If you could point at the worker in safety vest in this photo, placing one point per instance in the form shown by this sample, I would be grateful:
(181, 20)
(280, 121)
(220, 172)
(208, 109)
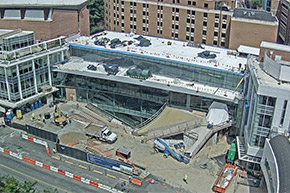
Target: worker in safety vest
(185, 178)
(32, 116)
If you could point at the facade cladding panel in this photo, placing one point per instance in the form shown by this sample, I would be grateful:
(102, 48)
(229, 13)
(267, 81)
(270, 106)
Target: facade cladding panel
(281, 147)
(283, 15)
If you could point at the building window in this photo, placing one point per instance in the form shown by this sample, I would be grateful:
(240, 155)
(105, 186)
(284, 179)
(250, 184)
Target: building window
(205, 5)
(192, 12)
(176, 26)
(188, 29)
(188, 20)
(223, 35)
(177, 10)
(265, 100)
(214, 42)
(203, 32)
(203, 41)
(224, 26)
(224, 17)
(283, 112)
(215, 33)
(192, 39)
(194, 3)
(223, 44)
(188, 2)
(204, 23)
(216, 24)
(176, 35)
(192, 21)
(188, 11)
(217, 16)
(187, 37)
(204, 14)
(176, 18)
(192, 30)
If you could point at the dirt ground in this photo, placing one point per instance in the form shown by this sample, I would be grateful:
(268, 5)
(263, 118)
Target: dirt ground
(167, 169)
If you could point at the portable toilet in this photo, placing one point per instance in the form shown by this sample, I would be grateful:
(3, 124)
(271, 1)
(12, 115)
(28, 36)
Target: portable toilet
(32, 106)
(39, 104)
(36, 105)
(18, 113)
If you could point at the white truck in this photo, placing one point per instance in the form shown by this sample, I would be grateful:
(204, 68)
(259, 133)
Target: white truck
(104, 134)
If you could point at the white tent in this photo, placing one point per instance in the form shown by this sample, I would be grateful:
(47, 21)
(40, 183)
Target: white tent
(218, 113)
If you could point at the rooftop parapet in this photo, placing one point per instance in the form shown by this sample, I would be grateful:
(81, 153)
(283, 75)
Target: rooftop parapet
(7, 57)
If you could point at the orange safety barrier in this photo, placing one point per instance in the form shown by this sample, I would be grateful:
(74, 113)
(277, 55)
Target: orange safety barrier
(76, 177)
(30, 139)
(136, 182)
(61, 171)
(108, 154)
(6, 151)
(45, 166)
(47, 151)
(95, 184)
(28, 160)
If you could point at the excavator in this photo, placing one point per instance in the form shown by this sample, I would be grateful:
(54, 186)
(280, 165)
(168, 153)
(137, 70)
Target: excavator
(59, 118)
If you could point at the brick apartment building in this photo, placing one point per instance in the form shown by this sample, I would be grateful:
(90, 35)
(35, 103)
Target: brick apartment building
(283, 15)
(48, 19)
(207, 22)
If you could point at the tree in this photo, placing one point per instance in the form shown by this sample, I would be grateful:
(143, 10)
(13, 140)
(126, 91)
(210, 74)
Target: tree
(256, 4)
(96, 8)
(11, 185)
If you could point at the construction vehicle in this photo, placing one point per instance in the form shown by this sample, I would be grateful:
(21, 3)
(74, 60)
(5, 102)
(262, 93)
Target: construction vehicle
(161, 146)
(231, 155)
(226, 176)
(104, 134)
(59, 118)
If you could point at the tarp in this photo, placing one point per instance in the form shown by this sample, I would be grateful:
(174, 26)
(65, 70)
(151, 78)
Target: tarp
(218, 113)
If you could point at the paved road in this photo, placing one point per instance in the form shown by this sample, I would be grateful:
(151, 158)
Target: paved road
(46, 179)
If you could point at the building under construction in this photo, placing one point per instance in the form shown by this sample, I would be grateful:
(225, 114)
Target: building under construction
(149, 75)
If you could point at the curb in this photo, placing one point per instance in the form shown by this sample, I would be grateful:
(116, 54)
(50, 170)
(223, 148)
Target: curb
(57, 170)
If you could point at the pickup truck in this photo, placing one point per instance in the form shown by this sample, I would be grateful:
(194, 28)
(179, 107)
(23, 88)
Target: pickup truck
(104, 134)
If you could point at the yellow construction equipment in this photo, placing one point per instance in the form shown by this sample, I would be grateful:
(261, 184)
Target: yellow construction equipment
(59, 118)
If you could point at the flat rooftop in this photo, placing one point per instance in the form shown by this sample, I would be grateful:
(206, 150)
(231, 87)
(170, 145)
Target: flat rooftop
(253, 14)
(264, 78)
(79, 67)
(7, 33)
(275, 46)
(40, 3)
(226, 59)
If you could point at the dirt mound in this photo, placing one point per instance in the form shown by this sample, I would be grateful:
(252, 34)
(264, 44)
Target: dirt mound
(71, 138)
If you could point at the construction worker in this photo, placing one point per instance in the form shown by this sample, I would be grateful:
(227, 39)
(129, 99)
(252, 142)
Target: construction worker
(43, 120)
(33, 116)
(185, 178)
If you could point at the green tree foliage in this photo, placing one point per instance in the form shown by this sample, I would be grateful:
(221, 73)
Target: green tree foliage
(256, 4)
(11, 185)
(96, 8)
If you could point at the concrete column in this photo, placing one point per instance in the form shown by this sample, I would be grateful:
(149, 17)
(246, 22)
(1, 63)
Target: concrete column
(188, 101)
(7, 84)
(19, 82)
(49, 73)
(34, 75)
(62, 56)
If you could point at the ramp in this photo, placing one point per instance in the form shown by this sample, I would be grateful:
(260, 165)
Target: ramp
(171, 116)
(174, 129)
(204, 134)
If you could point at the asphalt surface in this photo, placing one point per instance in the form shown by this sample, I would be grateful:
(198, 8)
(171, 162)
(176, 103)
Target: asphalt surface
(45, 179)
(10, 139)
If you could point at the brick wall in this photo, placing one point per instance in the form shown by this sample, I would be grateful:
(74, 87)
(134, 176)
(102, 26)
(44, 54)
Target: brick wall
(251, 34)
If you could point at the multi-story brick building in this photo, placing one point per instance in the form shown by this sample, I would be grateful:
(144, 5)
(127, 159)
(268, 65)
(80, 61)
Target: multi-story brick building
(251, 27)
(206, 22)
(48, 19)
(283, 15)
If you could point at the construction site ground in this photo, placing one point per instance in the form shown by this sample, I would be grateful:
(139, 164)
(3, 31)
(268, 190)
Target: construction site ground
(167, 169)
